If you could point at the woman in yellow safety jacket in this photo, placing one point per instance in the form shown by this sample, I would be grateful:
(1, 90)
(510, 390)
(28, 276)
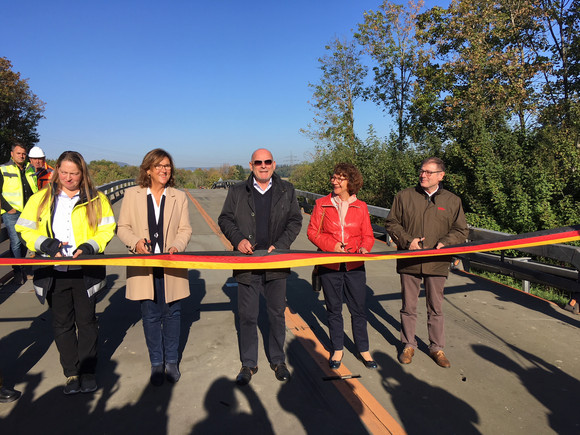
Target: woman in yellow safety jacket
(68, 218)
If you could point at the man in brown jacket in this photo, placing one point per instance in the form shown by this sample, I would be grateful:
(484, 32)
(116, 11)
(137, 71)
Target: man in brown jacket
(425, 217)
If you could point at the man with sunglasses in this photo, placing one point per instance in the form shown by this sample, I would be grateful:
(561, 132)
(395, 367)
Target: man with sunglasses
(261, 214)
(425, 217)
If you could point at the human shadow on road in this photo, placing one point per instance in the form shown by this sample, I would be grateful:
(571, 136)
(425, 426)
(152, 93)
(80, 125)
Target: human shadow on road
(376, 312)
(552, 387)
(23, 348)
(230, 289)
(191, 307)
(422, 408)
(118, 316)
(148, 415)
(303, 300)
(317, 404)
(309, 305)
(510, 295)
(51, 413)
(224, 415)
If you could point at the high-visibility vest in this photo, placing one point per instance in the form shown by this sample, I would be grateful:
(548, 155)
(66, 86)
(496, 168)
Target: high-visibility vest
(12, 186)
(43, 175)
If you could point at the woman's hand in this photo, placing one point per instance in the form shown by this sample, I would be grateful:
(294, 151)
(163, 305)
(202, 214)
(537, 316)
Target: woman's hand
(143, 246)
(363, 251)
(172, 250)
(339, 247)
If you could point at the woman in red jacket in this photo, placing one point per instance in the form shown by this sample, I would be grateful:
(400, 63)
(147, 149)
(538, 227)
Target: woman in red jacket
(341, 223)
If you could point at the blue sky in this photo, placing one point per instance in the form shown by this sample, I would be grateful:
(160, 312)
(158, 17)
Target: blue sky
(208, 81)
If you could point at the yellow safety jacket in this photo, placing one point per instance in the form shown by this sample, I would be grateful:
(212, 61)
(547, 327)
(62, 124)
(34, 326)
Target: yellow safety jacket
(35, 231)
(12, 187)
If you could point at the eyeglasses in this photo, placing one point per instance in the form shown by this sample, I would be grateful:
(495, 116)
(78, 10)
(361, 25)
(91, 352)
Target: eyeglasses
(335, 178)
(160, 167)
(428, 173)
(265, 162)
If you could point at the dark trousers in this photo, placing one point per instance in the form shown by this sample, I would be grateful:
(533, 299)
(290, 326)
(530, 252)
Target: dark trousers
(74, 323)
(274, 292)
(350, 285)
(410, 288)
(161, 325)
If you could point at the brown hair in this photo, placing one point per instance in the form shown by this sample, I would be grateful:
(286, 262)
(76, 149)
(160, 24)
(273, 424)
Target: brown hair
(435, 160)
(152, 158)
(352, 174)
(87, 188)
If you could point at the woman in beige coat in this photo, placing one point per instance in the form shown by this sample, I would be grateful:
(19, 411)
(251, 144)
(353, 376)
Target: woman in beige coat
(155, 219)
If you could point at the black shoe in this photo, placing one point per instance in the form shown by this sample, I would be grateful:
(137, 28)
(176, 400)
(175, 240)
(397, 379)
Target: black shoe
(157, 375)
(8, 395)
(72, 385)
(172, 372)
(281, 371)
(369, 364)
(88, 383)
(19, 278)
(245, 375)
(334, 364)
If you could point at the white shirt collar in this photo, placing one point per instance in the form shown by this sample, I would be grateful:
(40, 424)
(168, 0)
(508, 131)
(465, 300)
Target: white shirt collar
(259, 188)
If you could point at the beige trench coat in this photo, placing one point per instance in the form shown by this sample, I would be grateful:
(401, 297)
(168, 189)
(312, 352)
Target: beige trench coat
(132, 226)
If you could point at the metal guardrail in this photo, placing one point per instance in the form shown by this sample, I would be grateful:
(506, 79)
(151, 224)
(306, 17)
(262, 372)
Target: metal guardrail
(521, 268)
(116, 189)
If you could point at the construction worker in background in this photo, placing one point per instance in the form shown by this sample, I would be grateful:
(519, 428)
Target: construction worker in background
(17, 184)
(43, 170)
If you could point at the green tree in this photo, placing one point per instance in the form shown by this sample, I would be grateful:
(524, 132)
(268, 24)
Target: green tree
(484, 57)
(20, 110)
(388, 35)
(340, 85)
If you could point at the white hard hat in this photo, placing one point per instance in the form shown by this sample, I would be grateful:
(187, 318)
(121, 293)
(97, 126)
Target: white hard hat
(36, 153)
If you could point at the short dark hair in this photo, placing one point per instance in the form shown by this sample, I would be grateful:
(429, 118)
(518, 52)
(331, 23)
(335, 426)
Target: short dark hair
(152, 158)
(17, 144)
(352, 175)
(435, 160)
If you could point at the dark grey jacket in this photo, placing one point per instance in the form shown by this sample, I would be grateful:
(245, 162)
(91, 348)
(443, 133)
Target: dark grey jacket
(238, 220)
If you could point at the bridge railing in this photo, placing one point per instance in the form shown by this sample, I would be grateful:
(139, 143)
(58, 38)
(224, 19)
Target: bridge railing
(564, 277)
(116, 189)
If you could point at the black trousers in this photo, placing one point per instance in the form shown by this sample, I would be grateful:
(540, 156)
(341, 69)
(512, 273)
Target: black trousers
(274, 292)
(351, 285)
(74, 323)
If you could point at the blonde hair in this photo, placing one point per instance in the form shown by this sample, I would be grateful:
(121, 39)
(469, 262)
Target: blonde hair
(88, 191)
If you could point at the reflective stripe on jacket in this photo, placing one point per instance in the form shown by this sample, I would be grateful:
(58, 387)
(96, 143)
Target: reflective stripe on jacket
(12, 185)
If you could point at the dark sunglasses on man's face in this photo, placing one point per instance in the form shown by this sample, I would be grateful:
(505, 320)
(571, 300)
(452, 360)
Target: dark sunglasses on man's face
(259, 162)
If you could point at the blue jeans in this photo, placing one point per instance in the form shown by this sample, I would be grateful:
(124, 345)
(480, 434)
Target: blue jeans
(161, 324)
(17, 247)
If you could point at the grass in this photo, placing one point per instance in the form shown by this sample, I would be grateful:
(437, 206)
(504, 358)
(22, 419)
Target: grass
(551, 294)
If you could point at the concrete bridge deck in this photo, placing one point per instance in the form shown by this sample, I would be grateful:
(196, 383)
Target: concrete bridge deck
(515, 362)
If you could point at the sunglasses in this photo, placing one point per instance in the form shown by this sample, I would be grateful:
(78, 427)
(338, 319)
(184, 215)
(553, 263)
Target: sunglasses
(259, 162)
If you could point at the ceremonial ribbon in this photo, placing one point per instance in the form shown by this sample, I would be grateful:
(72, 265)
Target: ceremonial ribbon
(291, 258)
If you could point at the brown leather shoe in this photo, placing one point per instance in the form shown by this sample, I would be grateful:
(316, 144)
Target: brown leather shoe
(440, 358)
(406, 356)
